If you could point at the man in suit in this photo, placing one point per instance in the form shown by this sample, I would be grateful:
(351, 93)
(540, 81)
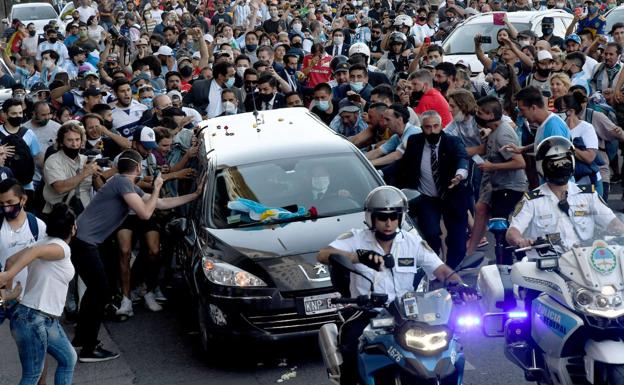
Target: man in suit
(205, 94)
(266, 97)
(435, 164)
(338, 47)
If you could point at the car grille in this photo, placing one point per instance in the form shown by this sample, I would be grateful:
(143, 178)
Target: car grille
(281, 323)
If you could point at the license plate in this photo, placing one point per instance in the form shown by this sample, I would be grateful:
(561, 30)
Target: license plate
(319, 304)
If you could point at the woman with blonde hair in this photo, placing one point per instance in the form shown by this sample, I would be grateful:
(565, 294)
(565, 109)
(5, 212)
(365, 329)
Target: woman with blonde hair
(560, 83)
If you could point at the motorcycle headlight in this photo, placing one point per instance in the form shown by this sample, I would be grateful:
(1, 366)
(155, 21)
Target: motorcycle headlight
(222, 273)
(424, 339)
(583, 297)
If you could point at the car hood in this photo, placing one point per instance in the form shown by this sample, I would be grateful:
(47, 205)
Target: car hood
(278, 240)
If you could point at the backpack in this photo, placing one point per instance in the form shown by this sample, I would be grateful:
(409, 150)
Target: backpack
(32, 224)
(21, 163)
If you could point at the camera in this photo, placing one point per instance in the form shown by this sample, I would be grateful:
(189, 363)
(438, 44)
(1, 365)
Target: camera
(118, 38)
(485, 40)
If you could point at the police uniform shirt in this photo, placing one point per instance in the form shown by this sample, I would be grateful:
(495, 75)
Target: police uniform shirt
(409, 252)
(537, 214)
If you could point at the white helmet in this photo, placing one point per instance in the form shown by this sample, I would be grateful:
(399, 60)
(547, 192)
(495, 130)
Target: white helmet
(384, 199)
(359, 48)
(403, 20)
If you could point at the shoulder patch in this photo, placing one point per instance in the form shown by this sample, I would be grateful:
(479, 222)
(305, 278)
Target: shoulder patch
(518, 208)
(533, 194)
(347, 235)
(426, 246)
(587, 188)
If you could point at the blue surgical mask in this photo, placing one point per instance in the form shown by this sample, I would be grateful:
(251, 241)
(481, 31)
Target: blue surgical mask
(146, 102)
(322, 105)
(230, 82)
(356, 86)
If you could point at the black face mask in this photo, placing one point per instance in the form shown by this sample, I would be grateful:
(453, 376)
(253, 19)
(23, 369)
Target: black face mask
(108, 124)
(547, 31)
(53, 40)
(433, 138)
(15, 121)
(32, 33)
(385, 237)
(186, 71)
(353, 24)
(251, 47)
(441, 86)
(421, 18)
(415, 97)
(543, 72)
(297, 45)
(11, 212)
(71, 153)
(266, 97)
(154, 48)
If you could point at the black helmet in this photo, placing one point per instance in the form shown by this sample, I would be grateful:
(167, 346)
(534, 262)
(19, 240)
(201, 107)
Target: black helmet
(554, 160)
(337, 60)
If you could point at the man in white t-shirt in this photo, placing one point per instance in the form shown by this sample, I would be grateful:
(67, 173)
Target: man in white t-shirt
(86, 10)
(18, 226)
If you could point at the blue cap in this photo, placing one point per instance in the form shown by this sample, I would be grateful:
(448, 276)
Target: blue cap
(573, 37)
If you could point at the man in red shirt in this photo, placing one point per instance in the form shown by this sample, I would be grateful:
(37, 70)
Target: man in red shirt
(430, 98)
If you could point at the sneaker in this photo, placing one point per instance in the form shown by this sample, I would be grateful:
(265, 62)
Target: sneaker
(158, 295)
(137, 294)
(150, 302)
(98, 354)
(125, 308)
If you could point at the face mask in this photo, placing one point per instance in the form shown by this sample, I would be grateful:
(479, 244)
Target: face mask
(560, 5)
(459, 117)
(350, 17)
(229, 108)
(356, 86)
(19, 96)
(48, 63)
(524, 42)
(230, 82)
(43, 122)
(562, 115)
(320, 183)
(251, 47)
(93, 142)
(291, 71)
(433, 138)
(592, 9)
(273, 14)
(53, 40)
(186, 71)
(83, 34)
(547, 31)
(433, 62)
(241, 71)
(441, 86)
(32, 33)
(15, 121)
(12, 211)
(71, 153)
(297, 45)
(322, 105)
(266, 97)
(148, 102)
(296, 27)
(422, 19)
(154, 48)
(543, 72)
(610, 6)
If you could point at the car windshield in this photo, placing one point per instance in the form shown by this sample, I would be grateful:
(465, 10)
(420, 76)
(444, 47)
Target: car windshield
(327, 185)
(461, 42)
(34, 13)
(614, 16)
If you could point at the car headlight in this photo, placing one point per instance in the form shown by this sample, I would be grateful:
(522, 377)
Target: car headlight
(423, 338)
(222, 273)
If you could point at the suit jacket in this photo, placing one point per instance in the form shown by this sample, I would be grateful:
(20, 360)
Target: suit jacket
(344, 51)
(198, 96)
(451, 157)
(279, 102)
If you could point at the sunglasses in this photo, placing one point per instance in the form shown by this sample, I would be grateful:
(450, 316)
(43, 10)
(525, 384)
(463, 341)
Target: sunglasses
(385, 216)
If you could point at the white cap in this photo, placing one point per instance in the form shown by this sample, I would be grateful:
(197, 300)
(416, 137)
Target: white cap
(174, 94)
(196, 55)
(208, 37)
(544, 55)
(164, 51)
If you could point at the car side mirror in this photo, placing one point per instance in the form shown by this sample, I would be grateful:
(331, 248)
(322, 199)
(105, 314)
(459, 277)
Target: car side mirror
(494, 324)
(177, 226)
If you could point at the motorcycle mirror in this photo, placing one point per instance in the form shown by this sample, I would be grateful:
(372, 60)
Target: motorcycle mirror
(410, 194)
(494, 324)
(343, 262)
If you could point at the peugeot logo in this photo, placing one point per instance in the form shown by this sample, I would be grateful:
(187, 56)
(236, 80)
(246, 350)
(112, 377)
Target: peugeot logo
(320, 269)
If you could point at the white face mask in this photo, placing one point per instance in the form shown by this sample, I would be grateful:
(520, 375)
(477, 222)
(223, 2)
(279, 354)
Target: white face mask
(296, 27)
(459, 117)
(338, 40)
(241, 71)
(47, 63)
(320, 183)
(229, 108)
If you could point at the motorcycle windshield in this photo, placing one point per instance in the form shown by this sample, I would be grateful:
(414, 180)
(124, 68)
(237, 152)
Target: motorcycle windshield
(433, 308)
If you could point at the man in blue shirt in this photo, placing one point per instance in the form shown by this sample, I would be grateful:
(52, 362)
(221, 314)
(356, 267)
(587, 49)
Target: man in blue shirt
(349, 120)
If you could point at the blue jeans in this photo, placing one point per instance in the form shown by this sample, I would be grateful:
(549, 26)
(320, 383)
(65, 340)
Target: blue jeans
(36, 333)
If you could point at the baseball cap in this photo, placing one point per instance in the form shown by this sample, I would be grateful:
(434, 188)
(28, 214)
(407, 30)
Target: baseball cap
(146, 137)
(164, 51)
(544, 55)
(573, 37)
(183, 58)
(74, 50)
(113, 57)
(463, 64)
(141, 41)
(174, 94)
(90, 73)
(342, 67)
(92, 91)
(141, 76)
(548, 20)
(346, 105)
(196, 55)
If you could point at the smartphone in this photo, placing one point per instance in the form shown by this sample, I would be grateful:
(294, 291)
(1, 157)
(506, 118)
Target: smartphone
(499, 18)
(485, 40)
(477, 159)
(103, 162)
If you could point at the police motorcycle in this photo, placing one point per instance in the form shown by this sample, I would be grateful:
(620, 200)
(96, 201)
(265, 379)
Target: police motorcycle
(413, 340)
(560, 309)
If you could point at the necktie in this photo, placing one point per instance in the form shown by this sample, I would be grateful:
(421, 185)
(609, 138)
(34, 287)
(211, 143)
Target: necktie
(266, 106)
(335, 50)
(435, 169)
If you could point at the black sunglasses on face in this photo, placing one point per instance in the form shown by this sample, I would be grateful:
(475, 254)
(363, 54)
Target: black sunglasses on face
(385, 216)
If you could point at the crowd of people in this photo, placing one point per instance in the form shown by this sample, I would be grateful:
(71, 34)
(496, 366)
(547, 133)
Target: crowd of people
(100, 126)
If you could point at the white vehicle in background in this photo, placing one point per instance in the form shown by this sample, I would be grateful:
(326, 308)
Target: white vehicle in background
(616, 15)
(459, 45)
(39, 14)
